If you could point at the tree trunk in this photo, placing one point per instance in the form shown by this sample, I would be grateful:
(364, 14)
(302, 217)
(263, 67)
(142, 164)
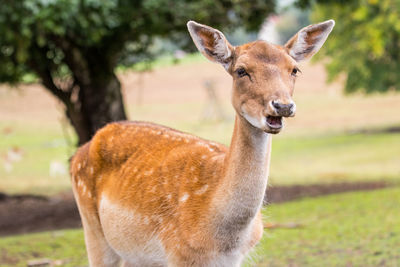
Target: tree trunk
(93, 98)
(94, 104)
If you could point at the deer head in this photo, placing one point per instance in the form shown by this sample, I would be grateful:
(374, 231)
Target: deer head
(263, 74)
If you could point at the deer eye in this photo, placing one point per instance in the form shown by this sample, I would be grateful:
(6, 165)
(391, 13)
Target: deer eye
(241, 72)
(295, 71)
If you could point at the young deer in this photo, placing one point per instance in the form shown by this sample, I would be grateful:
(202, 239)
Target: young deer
(153, 196)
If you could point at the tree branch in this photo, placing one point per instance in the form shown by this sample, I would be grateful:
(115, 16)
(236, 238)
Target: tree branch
(42, 66)
(74, 58)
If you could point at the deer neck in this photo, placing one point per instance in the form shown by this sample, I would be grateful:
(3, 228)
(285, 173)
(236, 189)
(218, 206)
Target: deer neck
(241, 193)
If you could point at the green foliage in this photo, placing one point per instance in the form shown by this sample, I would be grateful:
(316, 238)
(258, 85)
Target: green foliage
(47, 35)
(364, 43)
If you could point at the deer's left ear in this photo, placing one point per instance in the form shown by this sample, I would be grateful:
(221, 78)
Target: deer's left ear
(309, 40)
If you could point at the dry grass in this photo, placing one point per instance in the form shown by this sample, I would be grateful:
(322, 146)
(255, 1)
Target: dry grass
(176, 93)
(30, 119)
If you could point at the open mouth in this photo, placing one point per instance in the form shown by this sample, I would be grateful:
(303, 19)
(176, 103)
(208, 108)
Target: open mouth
(274, 122)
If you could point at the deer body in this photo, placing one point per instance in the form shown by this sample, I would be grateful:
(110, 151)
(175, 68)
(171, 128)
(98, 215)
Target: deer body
(154, 196)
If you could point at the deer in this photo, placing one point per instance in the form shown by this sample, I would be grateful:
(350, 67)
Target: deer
(149, 195)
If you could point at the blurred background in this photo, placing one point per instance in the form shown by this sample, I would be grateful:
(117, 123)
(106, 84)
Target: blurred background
(69, 67)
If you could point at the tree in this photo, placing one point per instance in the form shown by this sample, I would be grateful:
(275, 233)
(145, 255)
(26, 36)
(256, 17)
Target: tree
(74, 46)
(365, 43)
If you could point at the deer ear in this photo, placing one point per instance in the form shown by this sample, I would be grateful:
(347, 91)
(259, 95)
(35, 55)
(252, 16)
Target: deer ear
(309, 40)
(211, 43)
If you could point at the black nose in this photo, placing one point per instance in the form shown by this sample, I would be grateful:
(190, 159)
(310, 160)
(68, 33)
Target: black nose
(285, 110)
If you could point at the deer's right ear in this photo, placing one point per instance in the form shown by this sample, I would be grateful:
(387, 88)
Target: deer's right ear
(211, 43)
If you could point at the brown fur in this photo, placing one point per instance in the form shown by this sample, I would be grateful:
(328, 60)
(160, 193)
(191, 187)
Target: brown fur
(270, 68)
(179, 163)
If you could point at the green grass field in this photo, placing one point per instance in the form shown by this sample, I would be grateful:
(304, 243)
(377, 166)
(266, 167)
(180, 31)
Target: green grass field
(295, 160)
(317, 146)
(352, 229)
(40, 147)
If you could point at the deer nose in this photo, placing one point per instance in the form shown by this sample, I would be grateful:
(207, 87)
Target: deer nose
(285, 110)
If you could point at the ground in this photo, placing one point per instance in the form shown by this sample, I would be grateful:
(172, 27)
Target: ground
(335, 143)
(350, 229)
(29, 213)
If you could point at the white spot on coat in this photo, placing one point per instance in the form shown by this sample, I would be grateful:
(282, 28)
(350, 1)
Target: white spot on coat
(149, 172)
(184, 197)
(202, 190)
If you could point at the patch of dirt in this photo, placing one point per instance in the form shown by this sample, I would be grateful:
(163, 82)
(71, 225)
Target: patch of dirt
(26, 213)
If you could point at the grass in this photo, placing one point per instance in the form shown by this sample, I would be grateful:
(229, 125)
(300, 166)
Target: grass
(316, 147)
(352, 229)
(40, 147)
(336, 158)
(303, 160)
(312, 158)
(67, 246)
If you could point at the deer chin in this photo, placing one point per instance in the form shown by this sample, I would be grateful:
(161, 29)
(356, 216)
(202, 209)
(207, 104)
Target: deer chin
(268, 124)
